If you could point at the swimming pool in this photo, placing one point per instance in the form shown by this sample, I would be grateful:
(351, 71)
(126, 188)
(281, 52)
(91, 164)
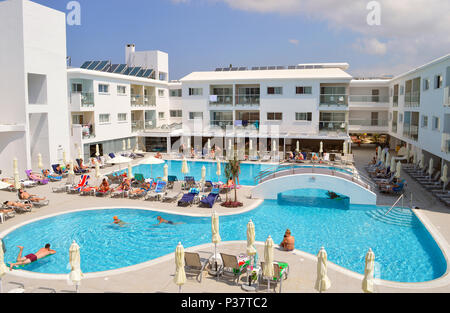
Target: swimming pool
(247, 177)
(404, 250)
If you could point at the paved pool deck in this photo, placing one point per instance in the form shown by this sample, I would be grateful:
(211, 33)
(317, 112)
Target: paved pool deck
(157, 275)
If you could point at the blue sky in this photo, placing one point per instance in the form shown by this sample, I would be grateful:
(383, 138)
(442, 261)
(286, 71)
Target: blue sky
(205, 34)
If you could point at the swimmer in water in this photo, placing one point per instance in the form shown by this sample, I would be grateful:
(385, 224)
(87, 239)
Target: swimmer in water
(161, 220)
(332, 195)
(119, 222)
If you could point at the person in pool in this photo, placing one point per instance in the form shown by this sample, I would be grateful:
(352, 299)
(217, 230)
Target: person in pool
(30, 258)
(332, 195)
(161, 220)
(119, 222)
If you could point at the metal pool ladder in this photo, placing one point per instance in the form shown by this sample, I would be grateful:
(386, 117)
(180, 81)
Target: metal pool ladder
(392, 207)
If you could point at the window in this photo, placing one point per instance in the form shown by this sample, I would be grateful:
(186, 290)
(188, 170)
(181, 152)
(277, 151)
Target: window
(122, 117)
(195, 91)
(175, 93)
(102, 88)
(435, 125)
(121, 90)
(274, 90)
(77, 87)
(161, 115)
(424, 121)
(161, 92)
(438, 79)
(303, 90)
(274, 116)
(104, 118)
(303, 116)
(162, 76)
(176, 113)
(426, 84)
(195, 115)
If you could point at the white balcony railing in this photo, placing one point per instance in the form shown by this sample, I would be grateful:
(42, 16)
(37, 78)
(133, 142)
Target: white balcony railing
(368, 99)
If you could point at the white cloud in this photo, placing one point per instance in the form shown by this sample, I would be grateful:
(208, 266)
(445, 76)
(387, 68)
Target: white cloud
(370, 46)
(294, 41)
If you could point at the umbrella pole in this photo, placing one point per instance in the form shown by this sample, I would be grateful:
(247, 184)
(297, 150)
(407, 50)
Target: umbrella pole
(179, 289)
(215, 254)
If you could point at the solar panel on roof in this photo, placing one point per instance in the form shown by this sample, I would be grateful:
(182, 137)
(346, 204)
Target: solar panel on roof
(148, 73)
(234, 69)
(120, 69)
(101, 65)
(272, 67)
(113, 67)
(219, 69)
(86, 64)
(93, 65)
(309, 67)
(318, 66)
(255, 68)
(299, 67)
(262, 68)
(226, 69)
(281, 67)
(242, 68)
(134, 71)
(291, 67)
(140, 73)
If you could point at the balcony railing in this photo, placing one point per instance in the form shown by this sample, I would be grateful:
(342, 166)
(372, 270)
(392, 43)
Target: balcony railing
(368, 122)
(334, 99)
(223, 100)
(332, 126)
(83, 99)
(247, 99)
(149, 100)
(87, 131)
(368, 98)
(221, 123)
(137, 100)
(395, 101)
(412, 99)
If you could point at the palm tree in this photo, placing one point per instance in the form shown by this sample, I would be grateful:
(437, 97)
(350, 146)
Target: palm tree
(228, 176)
(235, 170)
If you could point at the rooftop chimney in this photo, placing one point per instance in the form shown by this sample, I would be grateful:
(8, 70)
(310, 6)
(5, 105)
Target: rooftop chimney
(129, 54)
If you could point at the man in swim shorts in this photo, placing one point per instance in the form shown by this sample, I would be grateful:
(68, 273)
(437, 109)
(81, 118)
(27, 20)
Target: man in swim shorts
(161, 220)
(118, 222)
(30, 258)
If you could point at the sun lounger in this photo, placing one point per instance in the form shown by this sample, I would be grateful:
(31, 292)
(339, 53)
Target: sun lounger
(52, 177)
(37, 204)
(18, 210)
(174, 193)
(393, 190)
(138, 193)
(100, 193)
(34, 177)
(233, 267)
(118, 192)
(138, 179)
(58, 173)
(6, 215)
(188, 199)
(211, 199)
(281, 272)
(193, 265)
(82, 183)
(158, 192)
(171, 179)
(265, 158)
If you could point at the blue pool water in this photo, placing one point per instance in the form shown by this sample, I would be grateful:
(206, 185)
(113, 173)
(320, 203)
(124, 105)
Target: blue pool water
(404, 249)
(248, 170)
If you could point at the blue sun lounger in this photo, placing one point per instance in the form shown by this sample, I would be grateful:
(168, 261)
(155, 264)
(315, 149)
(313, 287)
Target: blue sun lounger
(210, 199)
(189, 198)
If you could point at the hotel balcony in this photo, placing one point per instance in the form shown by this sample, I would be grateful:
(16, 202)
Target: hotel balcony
(221, 100)
(149, 100)
(366, 126)
(334, 101)
(339, 126)
(82, 101)
(252, 100)
(412, 99)
(83, 131)
(137, 100)
(369, 101)
(221, 123)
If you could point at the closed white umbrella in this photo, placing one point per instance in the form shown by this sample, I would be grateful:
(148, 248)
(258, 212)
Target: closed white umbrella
(215, 233)
(97, 170)
(398, 170)
(322, 281)
(166, 173)
(184, 167)
(130, 171)
(71, 172)
(393, 165)
(367, 283)
(387, 160)
(189, 143)
(298, 146)
(64, 158)
(344, 148)
(17, 184)
(97, 151)
(268, 271)
(129, 144)
(40, 165)
(219, 170)
(430, 167)
(152, 161)
(350, 147)
(124, 145)
(251, 238)
(321, 147)
(379, 152)
(444, 177)
(209, 145)
(75, 274)
(422, 160)
(3, 268)
(203, 173)
(180, 274)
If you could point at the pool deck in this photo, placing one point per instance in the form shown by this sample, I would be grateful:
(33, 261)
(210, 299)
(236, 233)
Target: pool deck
(157, 275)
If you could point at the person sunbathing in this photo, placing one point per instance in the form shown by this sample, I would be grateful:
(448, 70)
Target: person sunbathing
(158, 155)
(104, 186)
(23, 195)
(125, 185)
(300, 156)
(60, 171)
(36, 176)
(18, 204)
(314, 157)
(6, 211)
(47, 174)
(30, 258)
(83, 167)
(288, 243)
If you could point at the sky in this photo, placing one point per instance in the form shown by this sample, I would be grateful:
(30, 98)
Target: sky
(374, 37)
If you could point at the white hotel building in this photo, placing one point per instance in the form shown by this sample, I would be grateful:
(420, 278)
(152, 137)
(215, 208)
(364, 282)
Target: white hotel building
(49, 107)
